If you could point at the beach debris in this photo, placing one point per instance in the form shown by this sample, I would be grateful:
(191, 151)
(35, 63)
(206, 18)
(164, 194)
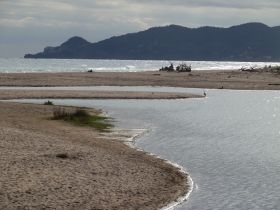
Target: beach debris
(270, 68)
(168, 68)
(183, 67)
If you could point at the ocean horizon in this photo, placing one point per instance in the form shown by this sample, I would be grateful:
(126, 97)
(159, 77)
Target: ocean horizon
(21, 65)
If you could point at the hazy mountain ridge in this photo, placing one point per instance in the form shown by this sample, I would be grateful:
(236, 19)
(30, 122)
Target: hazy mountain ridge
(246, 42)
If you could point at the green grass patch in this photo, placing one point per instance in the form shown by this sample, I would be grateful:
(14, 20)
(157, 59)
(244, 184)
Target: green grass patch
(83, 118)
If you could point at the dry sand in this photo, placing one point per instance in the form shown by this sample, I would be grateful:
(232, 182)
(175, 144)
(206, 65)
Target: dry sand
(99, 173)
(62, 94)
(195, 79)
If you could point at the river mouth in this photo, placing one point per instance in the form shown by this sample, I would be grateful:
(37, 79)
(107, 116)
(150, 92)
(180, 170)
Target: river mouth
(228, 142)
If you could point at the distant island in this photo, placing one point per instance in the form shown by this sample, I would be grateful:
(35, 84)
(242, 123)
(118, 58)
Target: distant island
(246, 42)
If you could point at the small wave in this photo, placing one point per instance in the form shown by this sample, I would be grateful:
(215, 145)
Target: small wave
(78, 65)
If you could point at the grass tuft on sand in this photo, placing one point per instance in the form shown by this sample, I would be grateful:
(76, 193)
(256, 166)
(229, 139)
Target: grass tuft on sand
(83, 118)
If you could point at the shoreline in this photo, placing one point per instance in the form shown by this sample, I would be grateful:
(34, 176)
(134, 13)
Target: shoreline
(185, 197)
(132, 143)
(205, 79)
(156, 161)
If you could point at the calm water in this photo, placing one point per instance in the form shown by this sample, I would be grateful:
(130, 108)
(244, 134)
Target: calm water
(228, 142)
(80, 65)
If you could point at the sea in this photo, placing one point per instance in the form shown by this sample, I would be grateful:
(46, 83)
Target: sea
(21, 65)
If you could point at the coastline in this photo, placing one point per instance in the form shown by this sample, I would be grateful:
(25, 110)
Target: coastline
(177, 182)
(131, 142)
(208, 79)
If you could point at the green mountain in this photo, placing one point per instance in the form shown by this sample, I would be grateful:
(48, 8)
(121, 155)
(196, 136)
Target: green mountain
(246, 42)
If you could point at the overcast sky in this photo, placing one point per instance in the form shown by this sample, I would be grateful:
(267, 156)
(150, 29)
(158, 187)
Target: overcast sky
(27, 26)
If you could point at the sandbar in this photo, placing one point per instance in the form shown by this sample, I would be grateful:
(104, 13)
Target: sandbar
(214, 79)
(75, 94)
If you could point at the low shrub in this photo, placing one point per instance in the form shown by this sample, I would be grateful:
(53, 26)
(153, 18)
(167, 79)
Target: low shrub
(168, 68)
(184, 68)
(180, 68)
(83, 118)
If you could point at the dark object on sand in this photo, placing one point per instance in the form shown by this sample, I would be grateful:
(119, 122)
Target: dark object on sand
(180, 68)
(168, 68)
(184, 68)
(62, 156)
(48, 103)
(271, 69)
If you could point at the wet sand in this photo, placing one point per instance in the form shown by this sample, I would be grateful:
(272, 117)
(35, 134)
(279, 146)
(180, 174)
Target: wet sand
(99, 172)
(195, 79)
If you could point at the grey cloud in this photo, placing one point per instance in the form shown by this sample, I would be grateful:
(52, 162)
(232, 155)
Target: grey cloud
(246, 4)
(37, 24)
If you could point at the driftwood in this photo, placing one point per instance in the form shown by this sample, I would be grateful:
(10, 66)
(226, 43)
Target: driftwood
(271, 69)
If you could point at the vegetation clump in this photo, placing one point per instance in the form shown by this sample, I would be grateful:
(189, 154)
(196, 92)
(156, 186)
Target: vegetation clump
(82, 118)
(271, 69)
(184, 68)
(48, 103)
(180, 68)
(168, 68)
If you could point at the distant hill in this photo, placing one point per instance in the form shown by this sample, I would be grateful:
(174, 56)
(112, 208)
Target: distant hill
(247, 42)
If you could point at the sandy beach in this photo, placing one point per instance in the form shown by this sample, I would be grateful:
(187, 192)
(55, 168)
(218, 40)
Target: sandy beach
(195, 79)
(98, 173)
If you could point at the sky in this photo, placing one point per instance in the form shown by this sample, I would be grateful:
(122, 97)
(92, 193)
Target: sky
(27, 26)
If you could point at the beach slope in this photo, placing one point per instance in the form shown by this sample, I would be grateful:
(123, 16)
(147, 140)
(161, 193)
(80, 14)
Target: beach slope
(47, 164)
